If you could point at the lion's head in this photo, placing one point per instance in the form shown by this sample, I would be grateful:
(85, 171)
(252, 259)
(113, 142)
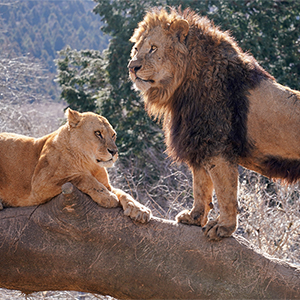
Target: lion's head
(158, 64)
(189, 71)
(93, 136)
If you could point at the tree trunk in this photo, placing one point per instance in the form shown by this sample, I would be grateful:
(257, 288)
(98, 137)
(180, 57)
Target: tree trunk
(71, 243)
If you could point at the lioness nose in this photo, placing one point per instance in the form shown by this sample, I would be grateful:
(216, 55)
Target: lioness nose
(112, 152)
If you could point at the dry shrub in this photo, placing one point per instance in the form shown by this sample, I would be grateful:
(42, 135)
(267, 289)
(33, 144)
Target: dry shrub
(26, 107)
(168, 195)
(36, 119)
(270, 216)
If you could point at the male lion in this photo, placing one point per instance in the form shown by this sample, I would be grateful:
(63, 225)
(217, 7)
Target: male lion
(220, 109)
(33, 170)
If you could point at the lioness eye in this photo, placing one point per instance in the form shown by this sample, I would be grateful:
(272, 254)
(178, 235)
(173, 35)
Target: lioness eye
(153, 49)
(98, 134)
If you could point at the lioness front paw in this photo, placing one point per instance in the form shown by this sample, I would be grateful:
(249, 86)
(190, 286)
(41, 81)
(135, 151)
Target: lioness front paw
(135, 210)
(215, 231)
(109, 201)
(191, 217)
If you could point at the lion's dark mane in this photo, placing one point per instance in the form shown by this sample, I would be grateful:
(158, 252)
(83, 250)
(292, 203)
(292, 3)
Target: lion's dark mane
(207, 114)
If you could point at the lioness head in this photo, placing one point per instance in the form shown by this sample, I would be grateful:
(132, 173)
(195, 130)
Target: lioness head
(157, 65)
(92, 136)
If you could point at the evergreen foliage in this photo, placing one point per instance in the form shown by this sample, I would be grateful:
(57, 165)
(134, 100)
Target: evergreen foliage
(80, 75)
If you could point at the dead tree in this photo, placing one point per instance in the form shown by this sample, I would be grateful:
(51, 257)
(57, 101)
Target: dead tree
(70, 243)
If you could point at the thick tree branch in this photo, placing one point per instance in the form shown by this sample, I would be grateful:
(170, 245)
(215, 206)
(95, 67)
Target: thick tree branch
(71, 243)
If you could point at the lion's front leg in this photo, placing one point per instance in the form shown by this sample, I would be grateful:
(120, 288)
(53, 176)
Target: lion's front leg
(132, 208)
(203, 190)
(225, 179)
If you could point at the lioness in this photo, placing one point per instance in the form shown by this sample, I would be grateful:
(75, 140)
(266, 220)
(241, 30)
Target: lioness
(33, 170)
(220, 109)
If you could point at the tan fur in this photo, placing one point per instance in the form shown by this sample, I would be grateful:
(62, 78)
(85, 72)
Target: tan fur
(273, 122)
(220, 109)
(33, 170)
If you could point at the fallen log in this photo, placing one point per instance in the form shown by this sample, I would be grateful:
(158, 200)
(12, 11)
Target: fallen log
(71, 243)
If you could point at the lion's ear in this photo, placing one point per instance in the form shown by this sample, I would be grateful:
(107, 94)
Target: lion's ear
(181, 28)
(73, 116)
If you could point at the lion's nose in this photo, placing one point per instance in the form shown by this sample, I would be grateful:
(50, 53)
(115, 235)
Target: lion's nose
(112, 152)
(134, 66)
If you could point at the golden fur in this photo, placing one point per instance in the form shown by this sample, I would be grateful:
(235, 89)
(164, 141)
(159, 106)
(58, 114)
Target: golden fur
(33, 170)
(220, 109)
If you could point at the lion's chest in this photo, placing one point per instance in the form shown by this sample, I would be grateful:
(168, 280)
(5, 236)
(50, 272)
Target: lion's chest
(193, 140)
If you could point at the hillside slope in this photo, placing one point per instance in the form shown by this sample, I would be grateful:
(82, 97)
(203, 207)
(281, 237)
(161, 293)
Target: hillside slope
(41, 28)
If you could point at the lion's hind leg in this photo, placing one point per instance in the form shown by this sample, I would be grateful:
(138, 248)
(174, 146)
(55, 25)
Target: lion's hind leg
(203, 191)
(132, 208)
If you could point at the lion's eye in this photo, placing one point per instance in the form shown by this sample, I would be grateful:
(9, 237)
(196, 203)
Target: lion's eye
(153, 49)
(98, 134)
(114, 136)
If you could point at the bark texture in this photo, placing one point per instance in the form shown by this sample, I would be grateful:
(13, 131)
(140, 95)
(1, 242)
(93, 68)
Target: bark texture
(71, 243)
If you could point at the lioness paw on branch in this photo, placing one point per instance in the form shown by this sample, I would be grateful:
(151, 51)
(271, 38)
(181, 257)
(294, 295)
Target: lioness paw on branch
(221, 109)
(33, 170)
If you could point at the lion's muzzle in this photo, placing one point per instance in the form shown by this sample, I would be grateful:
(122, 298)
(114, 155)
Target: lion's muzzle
(134, 65)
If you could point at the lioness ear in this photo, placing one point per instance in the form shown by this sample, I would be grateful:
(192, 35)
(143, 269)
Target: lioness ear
(73, 116)
(181, 28)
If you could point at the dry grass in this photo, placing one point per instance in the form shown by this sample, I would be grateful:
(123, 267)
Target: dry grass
(270, 216)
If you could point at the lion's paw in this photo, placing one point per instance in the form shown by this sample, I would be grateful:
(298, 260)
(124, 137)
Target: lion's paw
(215, 231)
(136, 211)
(191, 218)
